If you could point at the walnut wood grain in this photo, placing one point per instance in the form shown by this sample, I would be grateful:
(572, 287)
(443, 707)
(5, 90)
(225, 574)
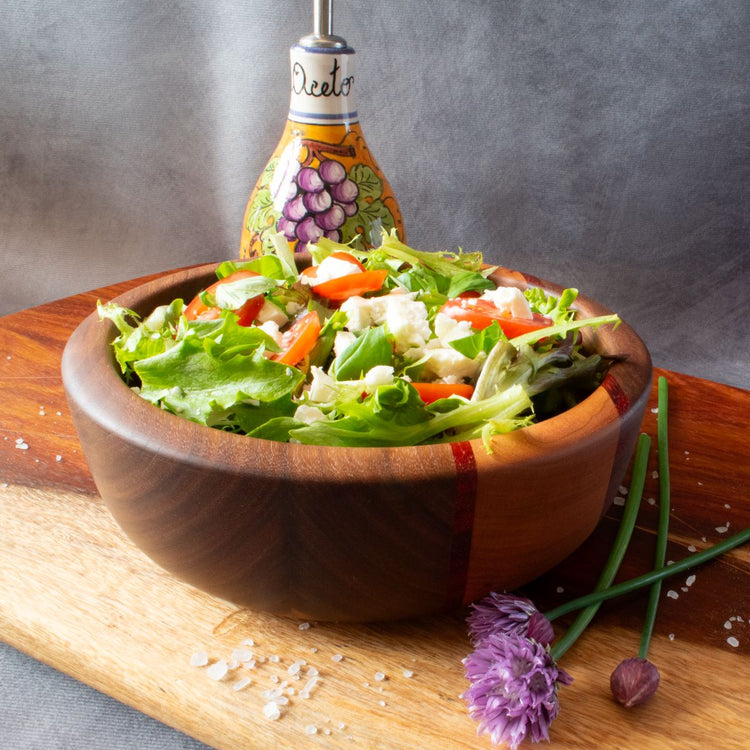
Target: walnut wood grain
(76, 593)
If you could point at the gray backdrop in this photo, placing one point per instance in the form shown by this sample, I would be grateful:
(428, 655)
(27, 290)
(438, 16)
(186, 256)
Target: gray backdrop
(603, 145)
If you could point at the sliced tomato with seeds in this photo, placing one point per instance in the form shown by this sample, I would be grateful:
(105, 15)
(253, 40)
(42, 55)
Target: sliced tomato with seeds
(481, 313)
(299, 340)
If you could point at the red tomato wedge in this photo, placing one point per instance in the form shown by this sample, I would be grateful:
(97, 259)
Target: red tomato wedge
(350, 284)
(481, 313)
(198, 310)
(430, 392)
(299, 340)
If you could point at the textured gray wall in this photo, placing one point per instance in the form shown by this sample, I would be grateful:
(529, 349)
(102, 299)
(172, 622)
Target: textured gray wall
(603, 145)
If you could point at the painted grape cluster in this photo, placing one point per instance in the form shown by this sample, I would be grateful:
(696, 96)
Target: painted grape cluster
(318, 203)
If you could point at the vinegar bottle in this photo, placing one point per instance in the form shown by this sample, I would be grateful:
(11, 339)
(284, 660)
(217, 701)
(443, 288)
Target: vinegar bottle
(322, 180)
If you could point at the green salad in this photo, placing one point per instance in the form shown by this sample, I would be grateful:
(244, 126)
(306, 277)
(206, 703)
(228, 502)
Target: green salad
(390, 347)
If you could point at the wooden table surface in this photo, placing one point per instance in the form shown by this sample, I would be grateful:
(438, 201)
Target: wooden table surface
(76, 594)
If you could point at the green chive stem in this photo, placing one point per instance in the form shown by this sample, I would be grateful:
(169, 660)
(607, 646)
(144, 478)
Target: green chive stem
(633, 584)
(619, 547)
(662, 532)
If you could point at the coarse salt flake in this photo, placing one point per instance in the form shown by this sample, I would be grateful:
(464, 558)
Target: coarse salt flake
(655, 410)
(692, 548)
(199, 659)
(619, 501)
(58, 458)
(242, 654)
(271, 711)
(623, 490)
(728, 624)
(722, 529)
(690, 580)
(304, 626)
(311, 729)
(732, 641)
(337, 657)
(379, 676)
(408, 673)
(242, 683)
(218, 670)
(671, 636)
(651, 501)
(672, 594)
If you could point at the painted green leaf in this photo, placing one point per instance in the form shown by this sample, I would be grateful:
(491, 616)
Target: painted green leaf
(369, 184)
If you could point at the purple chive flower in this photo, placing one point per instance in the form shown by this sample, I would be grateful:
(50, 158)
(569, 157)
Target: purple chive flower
(505, 613)
(513, 691)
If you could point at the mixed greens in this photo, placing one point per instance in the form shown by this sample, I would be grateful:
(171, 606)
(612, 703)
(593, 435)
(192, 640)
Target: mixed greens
(392, 347)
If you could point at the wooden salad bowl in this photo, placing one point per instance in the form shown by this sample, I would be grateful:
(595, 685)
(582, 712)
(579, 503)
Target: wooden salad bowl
(351, 534)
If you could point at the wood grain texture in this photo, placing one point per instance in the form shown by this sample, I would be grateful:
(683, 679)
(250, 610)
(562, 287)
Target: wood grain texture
(75, 593)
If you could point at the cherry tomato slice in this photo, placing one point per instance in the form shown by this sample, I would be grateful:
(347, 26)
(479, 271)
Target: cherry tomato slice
(299, 340)
(352, 285)
(198, 310)
(430, 392)
(481, 313)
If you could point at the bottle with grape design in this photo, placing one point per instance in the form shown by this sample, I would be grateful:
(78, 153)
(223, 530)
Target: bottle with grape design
(322, 180)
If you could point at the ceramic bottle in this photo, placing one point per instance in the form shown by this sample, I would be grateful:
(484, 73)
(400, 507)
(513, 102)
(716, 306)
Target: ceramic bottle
(322, 179)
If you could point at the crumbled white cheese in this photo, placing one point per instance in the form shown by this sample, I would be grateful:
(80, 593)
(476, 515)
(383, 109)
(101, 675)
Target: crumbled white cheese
(330, 268)
(379, 375)
(271, 327)
(404, 317)
(510, 300)
(342, 341)
(449, 329)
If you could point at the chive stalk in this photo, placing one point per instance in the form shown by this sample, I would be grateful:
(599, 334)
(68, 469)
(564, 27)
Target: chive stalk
(617, 553)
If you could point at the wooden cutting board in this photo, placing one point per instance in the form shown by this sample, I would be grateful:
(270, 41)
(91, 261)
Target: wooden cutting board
(75, 593)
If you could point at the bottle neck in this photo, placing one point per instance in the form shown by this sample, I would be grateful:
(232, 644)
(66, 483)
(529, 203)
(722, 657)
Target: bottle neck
(322, 86)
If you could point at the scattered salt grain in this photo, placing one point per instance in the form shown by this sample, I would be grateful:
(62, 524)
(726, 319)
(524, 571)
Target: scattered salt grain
(218, 670)
(58, 458)
(732, 641)
(247, 642)
(199, 659)
(314, 650)
(379, 676)
(560, 589)
(242, 654)
(623, 490)
(651, 501)
(672, 594)
(311, 729)
(341, 725)
(309, 685)
(671, 636)
(728, 624)
(42, 413)
(684, 589)
(727, 505)
(304, 626)
(337, 657)
(21, 445)
(326, 731)
(655, 410)
(58, 413)
(382, 703)
(312, 671)
(722, 529)
(687, 453)
(271, 711)
(274, 678)
(295, 667)
(274, 658)
(408, 673)
(242, 683)
(619, 501)
(654, 475)
(692, 548)
(690, 580)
